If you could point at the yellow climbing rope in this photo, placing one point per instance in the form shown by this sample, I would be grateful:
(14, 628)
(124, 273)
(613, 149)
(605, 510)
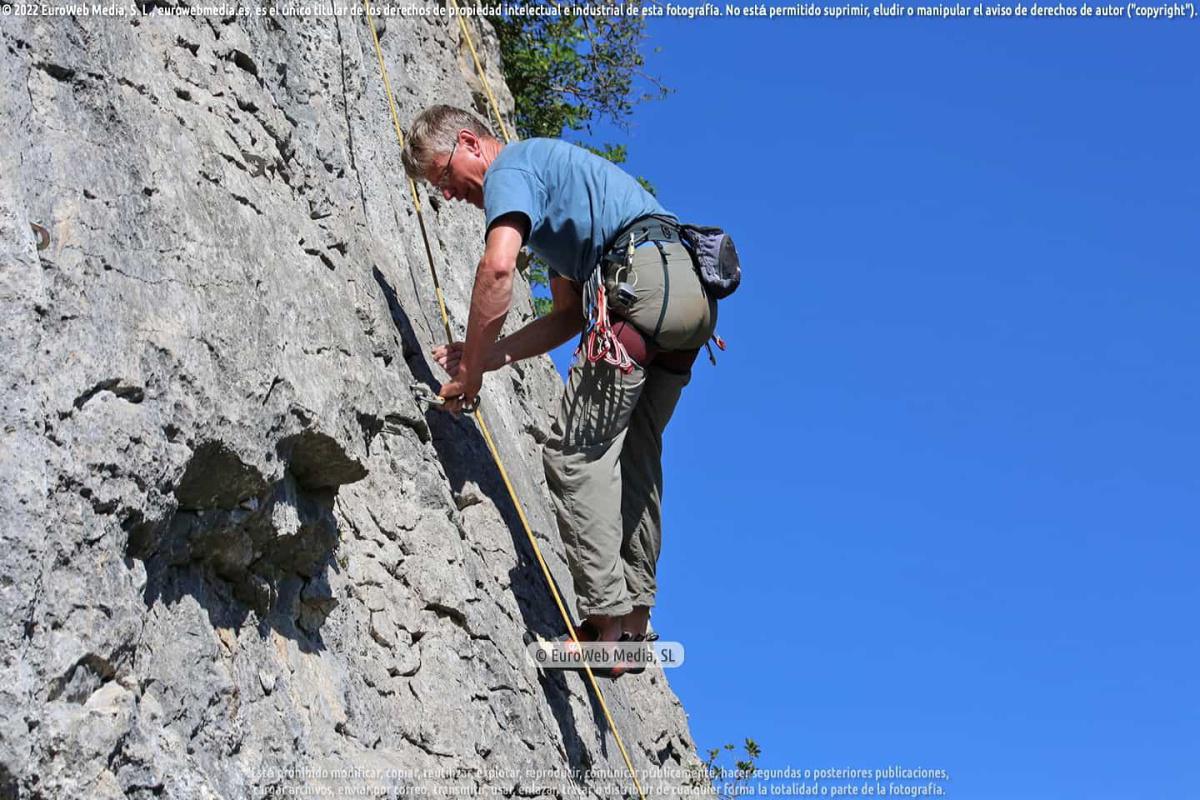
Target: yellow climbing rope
(478, 416)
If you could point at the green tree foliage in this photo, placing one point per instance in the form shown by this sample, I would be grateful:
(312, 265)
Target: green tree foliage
(567, 71)
(539, 275)
(728, 782)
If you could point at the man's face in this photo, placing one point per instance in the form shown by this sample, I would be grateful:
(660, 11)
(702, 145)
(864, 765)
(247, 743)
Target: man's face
(458, 173)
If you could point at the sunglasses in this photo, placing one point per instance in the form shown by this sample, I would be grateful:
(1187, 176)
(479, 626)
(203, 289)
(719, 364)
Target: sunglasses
(445, 176)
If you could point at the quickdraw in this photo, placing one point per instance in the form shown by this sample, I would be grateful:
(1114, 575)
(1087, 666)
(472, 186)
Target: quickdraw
(424, 394)
(600, 343)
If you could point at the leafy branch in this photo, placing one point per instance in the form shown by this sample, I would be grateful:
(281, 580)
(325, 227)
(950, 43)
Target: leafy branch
(568, 70)
(727, 782)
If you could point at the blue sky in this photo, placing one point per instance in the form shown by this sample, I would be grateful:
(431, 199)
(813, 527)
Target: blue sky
(937, 505)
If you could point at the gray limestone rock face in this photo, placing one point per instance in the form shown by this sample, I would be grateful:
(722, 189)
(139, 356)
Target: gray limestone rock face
(238, 557)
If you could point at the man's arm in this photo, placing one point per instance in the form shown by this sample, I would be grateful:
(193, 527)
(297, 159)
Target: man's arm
(538, 337)
(490, 300)
(545, 333)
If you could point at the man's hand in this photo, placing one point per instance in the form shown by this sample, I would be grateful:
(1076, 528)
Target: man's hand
(455, 391)
(448, 357)
(460, 391)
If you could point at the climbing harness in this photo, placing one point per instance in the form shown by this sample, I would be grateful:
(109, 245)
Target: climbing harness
(599, 341)
(423, 394)
(483, 429)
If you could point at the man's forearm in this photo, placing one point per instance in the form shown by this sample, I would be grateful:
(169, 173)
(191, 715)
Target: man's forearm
(538, 337)
(490, 300)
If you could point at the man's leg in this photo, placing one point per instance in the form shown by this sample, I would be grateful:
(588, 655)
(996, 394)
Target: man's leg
(583, 469)
(641, 495)
(672, 306)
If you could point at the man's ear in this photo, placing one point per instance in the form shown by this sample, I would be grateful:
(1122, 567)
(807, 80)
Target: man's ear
(469, 140)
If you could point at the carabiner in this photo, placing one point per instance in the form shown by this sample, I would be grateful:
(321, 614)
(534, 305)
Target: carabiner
(424, 394)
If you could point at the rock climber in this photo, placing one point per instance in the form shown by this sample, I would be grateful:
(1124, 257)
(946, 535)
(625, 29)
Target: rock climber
(603, 459)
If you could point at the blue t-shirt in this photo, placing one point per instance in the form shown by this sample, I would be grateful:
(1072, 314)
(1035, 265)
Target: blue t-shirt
(575, 200)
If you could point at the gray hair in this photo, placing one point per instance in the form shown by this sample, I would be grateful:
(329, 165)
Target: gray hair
(433, 132)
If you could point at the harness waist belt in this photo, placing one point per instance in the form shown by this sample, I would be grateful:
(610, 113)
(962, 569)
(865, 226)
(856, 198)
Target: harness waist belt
(654, 228)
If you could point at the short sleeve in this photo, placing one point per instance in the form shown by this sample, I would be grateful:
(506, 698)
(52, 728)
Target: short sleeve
(507, 190)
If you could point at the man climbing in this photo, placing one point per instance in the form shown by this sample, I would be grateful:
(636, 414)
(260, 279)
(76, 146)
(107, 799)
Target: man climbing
(611, 248)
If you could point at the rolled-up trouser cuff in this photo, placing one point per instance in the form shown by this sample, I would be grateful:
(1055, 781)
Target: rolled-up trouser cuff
(619, 610)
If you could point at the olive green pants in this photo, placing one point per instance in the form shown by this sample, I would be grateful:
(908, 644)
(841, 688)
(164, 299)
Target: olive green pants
(603, 458)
